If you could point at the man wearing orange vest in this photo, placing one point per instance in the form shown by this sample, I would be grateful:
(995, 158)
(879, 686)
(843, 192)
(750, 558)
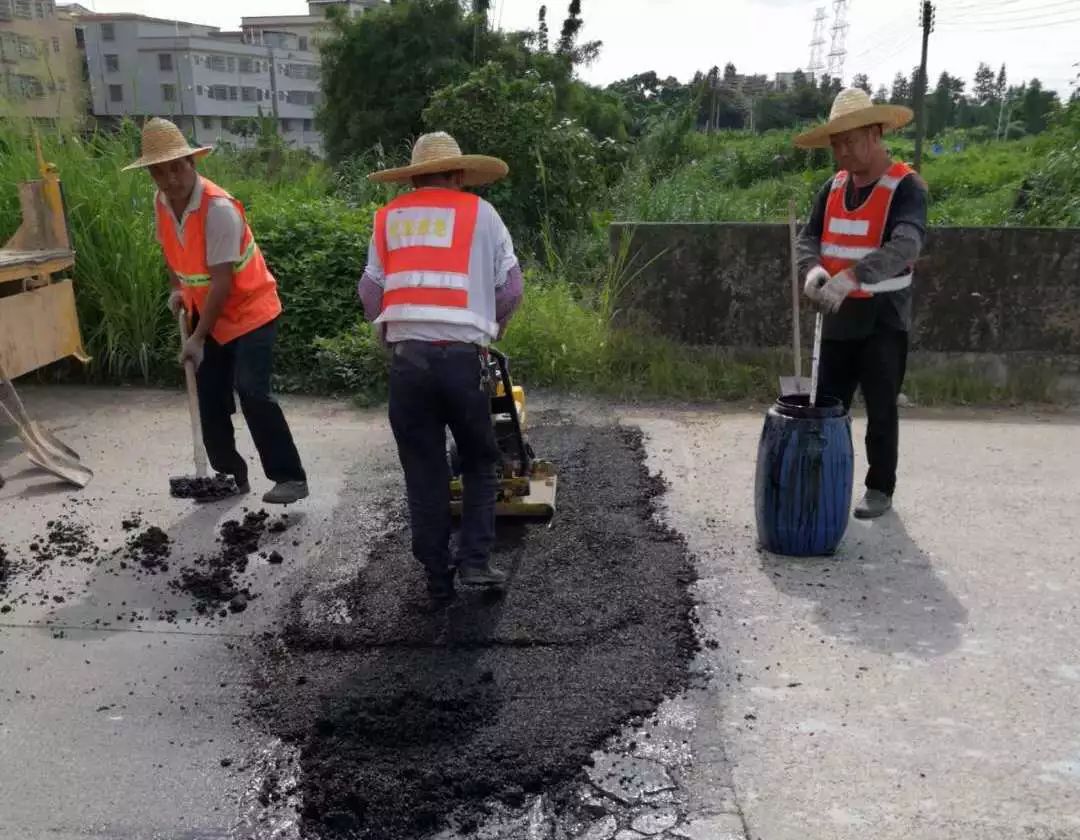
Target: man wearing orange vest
(857, 252)
(441, 284)
(219, 277)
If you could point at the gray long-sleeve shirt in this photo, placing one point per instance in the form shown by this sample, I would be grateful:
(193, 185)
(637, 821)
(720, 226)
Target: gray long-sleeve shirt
(905, 234)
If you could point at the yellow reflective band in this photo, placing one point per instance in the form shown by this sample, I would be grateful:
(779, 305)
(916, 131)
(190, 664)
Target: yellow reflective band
(245, 258)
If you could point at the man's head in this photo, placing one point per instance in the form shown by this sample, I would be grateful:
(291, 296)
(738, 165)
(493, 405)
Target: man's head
(859, 150)
(175, 178)
(441, 180)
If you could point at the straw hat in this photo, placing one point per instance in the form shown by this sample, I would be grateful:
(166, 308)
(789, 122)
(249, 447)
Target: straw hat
(439, 152)
(162, 141)
(853, 108)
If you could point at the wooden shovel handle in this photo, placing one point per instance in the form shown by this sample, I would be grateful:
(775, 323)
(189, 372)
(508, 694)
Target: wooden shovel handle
(201, 468)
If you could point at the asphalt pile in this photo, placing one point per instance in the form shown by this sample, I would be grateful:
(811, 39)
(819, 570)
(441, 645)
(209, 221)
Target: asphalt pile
(216, 580)
(408, 718)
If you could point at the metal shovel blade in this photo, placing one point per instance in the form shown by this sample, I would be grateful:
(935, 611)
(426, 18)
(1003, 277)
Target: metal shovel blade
(45, 439)
(792, 385)
(68, 471)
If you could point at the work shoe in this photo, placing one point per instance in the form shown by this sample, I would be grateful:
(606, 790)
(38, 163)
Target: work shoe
(440, 588)
(481, 575)
(874, 504)
(286, 492)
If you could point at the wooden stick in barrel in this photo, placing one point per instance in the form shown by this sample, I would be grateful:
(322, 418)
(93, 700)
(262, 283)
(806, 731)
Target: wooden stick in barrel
(797, 341)
(815, 359)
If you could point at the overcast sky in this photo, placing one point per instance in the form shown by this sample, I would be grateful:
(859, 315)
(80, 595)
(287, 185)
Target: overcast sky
(677, 37)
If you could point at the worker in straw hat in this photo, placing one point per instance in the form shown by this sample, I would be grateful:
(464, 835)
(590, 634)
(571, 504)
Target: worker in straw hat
(220, 279)
(857, 252)
(441, 284)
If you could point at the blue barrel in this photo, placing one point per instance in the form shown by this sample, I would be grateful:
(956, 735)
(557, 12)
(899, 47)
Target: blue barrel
(805, 470)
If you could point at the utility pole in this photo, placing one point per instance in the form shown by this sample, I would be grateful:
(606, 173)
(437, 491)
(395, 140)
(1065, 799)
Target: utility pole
(926, 20)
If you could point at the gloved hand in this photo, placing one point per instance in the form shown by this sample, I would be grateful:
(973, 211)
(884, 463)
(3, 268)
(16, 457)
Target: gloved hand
(176, 300)
(835, 292)
(816, 278)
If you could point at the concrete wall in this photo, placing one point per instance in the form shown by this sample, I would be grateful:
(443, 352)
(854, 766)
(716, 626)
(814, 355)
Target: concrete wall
(977, 290)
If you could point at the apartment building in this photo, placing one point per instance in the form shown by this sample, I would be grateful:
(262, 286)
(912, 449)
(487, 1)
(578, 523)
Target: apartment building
(41, 73)
(211, 83)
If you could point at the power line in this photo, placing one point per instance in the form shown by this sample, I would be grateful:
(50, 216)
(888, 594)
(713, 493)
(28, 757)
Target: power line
(1011, 27)
(1052, 10)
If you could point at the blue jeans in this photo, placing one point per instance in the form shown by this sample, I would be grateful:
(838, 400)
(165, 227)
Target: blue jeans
(433, 387)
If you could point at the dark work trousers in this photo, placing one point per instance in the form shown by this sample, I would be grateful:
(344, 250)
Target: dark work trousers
(875, 364)
(433, 387)
(244, 365)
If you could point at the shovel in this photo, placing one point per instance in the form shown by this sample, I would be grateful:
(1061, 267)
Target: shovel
(797, 384)
(45, 439)
(40, 456)
(200, 487)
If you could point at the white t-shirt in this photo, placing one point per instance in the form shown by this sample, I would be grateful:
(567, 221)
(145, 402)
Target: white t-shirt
(224, 226)
(490, 260)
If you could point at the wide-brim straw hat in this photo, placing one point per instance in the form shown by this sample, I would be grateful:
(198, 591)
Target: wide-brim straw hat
(162, 141)
(439, 152)
(853, 108)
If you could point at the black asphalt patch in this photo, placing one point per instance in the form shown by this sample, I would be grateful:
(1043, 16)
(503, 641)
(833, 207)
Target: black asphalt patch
(407, 718)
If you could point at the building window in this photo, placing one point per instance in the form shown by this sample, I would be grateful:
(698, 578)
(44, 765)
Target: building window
(23, 9)
(247, 94)
(219, 92)
(108, 32)
(80, 38)
(301, 97)
(168, 93)
(27, 49)
(112, 63)
(308, 125)
(116, 93)
(303, 44)
(231, 63)
(208, 123)
(233, 93)
(55, 44)
(28, 87)
(286, 125)
(246, 65)
(198, 90)
(165, 62)
(216, 63)
(259, 95)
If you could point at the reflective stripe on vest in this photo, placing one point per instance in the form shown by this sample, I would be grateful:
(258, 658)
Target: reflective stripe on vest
(424, 239)
(253, 301)
(850, 235)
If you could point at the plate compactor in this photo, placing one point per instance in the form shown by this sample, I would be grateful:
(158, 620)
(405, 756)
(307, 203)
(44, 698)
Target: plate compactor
(526, 484)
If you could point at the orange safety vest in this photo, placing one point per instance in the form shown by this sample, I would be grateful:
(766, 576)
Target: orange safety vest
(849, 235)
(424, 240)
(253, 301)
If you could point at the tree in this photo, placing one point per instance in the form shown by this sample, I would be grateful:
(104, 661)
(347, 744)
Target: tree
(570, 28)
(543, 38)
(986, 86)
(942, 111)
(862, 82)
(882, 96)
(1038, 105)
(901, 91)
(403, 51)
(1002, 83)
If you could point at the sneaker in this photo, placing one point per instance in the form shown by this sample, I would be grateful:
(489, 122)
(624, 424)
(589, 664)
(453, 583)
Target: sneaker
(286, 492)
(874, 504)
(481, 576)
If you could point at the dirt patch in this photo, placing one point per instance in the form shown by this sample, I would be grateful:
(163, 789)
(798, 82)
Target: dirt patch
(208, 489)
(407, 717)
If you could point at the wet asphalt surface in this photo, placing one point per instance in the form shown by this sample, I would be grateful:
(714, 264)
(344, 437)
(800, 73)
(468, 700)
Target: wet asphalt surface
(398, 719)
(407, 717)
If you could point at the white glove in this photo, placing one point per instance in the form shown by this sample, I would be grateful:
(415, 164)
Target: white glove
(835, 292)
(176, 300)
(816, 278)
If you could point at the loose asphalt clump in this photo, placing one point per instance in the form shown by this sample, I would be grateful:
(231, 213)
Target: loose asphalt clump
(215, 580)
(407, 717)
(150, 549)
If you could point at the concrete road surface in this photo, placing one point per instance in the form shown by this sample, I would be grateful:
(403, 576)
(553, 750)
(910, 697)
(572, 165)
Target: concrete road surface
(924, 683)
